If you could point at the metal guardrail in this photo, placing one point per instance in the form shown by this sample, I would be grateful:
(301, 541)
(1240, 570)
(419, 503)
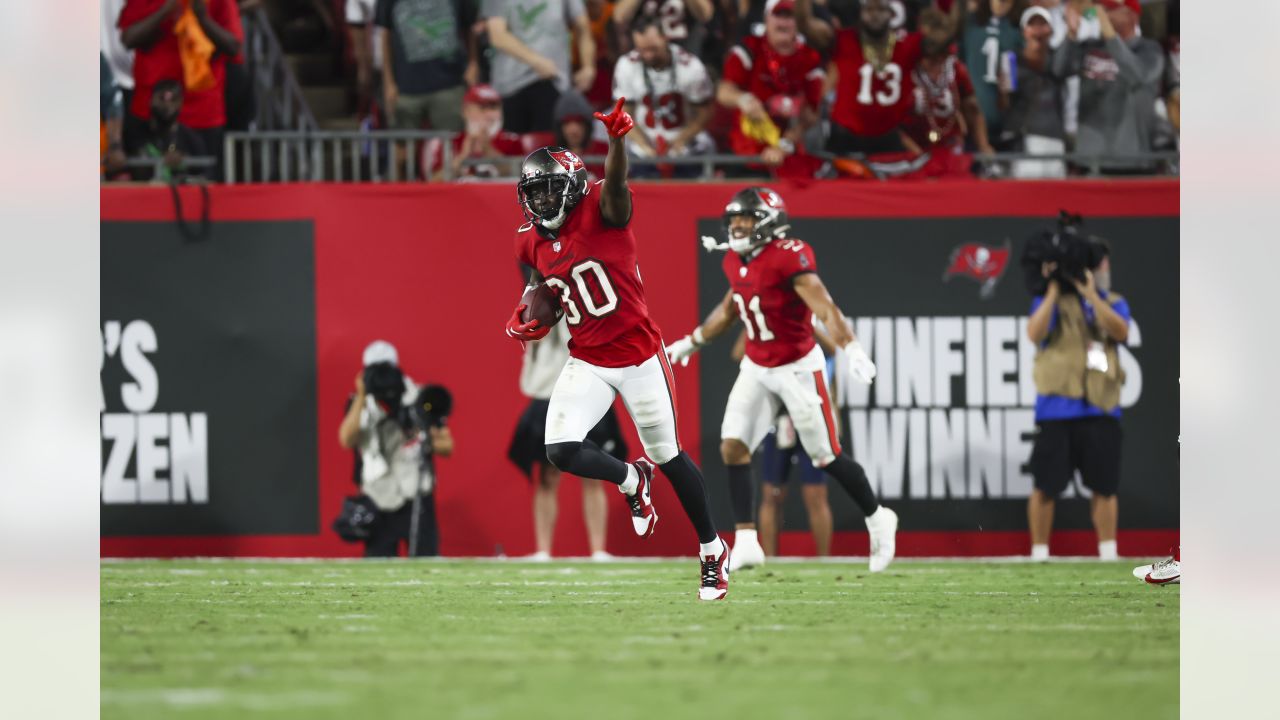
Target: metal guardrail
(281, 104)
(394, 156)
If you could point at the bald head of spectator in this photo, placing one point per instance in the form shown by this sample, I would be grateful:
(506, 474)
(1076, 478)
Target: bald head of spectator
(1124, 16)
(166, 103)
(780, 29)
(875, 18)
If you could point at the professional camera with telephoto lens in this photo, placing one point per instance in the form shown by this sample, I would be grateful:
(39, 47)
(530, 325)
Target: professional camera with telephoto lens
(385, 383)
(1069, 247)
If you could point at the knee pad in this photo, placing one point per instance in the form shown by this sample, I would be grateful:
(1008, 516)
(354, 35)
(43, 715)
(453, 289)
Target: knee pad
(562, 454)
(649, 410)
(662, 453)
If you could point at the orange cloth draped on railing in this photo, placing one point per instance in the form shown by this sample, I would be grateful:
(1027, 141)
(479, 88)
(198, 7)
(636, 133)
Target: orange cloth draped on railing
(195, 50)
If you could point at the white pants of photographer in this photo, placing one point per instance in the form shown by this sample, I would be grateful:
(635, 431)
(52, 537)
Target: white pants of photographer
(801, 387)
(584, 393)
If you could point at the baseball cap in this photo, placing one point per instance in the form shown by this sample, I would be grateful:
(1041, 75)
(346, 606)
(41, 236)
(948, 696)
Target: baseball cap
(380, 351)
(1035, 11)
(1134, 5)
(773, 6)
(482, 94)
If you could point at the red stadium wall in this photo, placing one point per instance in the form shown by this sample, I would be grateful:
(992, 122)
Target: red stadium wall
(430, 268)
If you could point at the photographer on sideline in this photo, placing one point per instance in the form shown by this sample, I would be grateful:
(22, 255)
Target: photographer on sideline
(1076, 324)
(387, 427)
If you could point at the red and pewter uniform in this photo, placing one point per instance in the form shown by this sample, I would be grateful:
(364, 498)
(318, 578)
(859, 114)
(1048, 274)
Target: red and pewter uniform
(783, 367)
(594, 266)
(779, 323)
(778, 81)
(873, 102)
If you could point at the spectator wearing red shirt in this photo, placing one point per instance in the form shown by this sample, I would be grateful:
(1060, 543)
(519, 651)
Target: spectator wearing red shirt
(945, 107)
(775, 85)
(482, 138)
(873, 78)
(147, 28)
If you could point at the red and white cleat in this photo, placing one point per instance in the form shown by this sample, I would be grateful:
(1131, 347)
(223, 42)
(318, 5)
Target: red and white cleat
(1165, 572)
(643, 516)
(715, 575)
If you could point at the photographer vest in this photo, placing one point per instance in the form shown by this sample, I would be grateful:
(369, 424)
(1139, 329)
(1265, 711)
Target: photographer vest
(1061, 365)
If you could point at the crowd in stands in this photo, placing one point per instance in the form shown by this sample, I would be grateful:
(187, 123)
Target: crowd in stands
(797, 88)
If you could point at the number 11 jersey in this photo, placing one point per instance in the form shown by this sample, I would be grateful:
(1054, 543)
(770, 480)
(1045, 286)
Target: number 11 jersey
(593, 265)
(779, 324)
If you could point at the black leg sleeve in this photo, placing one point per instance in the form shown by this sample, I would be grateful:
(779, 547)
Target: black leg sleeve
(741, 494)
(853, 479)
(687, 481)
(586, 459)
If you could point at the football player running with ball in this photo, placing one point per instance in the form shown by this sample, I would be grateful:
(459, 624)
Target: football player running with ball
(579, 242)
(774, 288)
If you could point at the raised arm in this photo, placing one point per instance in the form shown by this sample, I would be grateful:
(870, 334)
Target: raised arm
(615, 196)
(147, 30)
(817, 32)
(720, 319)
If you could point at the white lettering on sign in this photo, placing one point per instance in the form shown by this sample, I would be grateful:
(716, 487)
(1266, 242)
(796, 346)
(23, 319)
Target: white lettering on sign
(952, 411)
(169, 452)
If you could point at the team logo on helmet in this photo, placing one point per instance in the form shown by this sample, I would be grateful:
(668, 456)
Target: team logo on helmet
(978, 262)
(568, 160)
(771, 198)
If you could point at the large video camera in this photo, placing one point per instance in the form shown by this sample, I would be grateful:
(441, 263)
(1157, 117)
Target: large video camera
(385, 382)
(1073, 250)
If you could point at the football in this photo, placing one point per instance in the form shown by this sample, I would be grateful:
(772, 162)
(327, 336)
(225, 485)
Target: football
(542, 302)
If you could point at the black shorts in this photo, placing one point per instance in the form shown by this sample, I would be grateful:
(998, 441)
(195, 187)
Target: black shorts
(528, 443)
(1090, 445)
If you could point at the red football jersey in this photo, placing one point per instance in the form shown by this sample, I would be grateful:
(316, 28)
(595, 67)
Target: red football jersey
(783, 83)
(594, 266)
(779, 323)
(936, 117)
(871, 102)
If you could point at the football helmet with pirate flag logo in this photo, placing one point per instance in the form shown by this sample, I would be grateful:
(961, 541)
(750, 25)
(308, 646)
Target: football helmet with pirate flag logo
(552, 181)
(767, 209)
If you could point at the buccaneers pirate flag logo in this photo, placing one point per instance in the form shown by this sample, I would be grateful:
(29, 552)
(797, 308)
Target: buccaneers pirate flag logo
(985, 265)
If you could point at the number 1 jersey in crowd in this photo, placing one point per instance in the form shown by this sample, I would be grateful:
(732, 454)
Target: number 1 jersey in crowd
(593, 265)
(778, 322)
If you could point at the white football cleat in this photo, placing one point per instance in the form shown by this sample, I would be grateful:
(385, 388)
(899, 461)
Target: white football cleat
(884, 531)
(1165, 572)
(747, 552)
(601, 556)
(643, 517)
(715, 575)
(541, 556)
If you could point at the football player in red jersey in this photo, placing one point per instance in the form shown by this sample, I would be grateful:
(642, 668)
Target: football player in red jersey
(578, 240)
(775, 289)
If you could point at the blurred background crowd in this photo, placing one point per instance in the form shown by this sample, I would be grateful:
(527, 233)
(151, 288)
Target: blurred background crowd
(456, 89)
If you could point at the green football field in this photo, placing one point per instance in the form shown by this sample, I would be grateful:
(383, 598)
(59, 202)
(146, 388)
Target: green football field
(226, 639)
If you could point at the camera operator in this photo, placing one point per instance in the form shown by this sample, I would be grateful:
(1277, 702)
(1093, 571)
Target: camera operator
(396, 430)
(1076, 323)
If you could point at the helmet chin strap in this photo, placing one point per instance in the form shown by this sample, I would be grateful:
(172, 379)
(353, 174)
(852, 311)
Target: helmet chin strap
(555, 222)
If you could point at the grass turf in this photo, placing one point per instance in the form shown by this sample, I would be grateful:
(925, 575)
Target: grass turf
(478, 640)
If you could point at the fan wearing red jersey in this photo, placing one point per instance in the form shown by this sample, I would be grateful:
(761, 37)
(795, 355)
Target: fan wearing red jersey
(872, 67)
(578, 240)
(775, 290)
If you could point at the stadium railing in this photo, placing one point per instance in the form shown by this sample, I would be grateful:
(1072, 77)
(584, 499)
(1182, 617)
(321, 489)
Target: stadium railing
(369, 156)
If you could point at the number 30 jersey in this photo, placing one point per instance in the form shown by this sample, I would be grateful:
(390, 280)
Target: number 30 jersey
(779, 324)
(594, 267)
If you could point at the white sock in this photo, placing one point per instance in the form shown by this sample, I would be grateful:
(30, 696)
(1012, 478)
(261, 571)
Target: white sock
(1107, 550)
(745, 536)
(1039, 552)
(632, 482)
(713, 548)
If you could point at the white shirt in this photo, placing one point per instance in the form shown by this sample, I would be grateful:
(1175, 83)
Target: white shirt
(664, 98)
(360, 12)
(119, 57)
(391, 460)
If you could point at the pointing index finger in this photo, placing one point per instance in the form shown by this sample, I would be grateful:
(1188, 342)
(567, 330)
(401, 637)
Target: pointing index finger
(618, 107)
